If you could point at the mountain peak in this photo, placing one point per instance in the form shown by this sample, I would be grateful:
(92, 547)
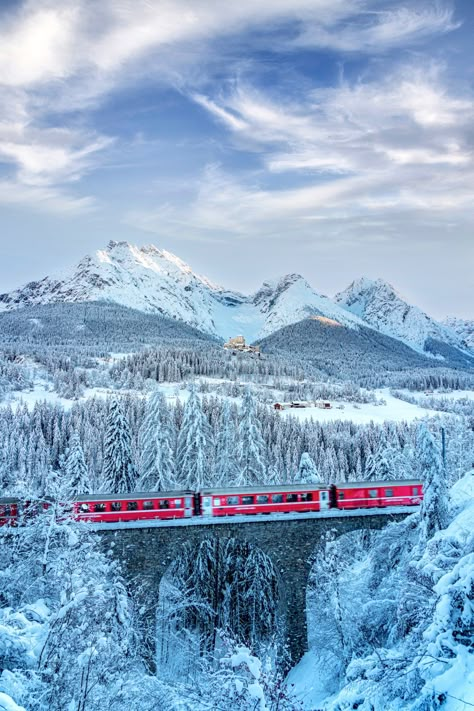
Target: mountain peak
(155, 280)
(382, 307)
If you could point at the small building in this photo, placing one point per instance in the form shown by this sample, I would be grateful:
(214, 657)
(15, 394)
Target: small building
(323, 404)
(238, 344)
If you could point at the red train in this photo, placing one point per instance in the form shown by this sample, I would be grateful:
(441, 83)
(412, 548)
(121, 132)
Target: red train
(299, 498)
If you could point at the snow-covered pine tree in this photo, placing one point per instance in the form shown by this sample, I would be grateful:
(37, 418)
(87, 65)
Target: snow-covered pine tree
(78, 481)
(118, 472)
(251, 447)
(260, 596)
(434, 507)
(378, 467)
(194, 444)
(157, 468)
(226, 469)
(307, 472)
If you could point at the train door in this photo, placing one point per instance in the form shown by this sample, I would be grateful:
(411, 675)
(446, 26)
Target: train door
(207, 505)
(188, 506)
(323, 500)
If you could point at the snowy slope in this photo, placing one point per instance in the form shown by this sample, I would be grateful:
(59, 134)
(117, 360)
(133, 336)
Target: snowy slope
(153, 280)
(377, 303)
(147, 279)
(464, 329)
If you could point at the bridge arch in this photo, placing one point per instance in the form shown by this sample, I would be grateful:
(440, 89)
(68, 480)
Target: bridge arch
(218, 586)
(146, 551)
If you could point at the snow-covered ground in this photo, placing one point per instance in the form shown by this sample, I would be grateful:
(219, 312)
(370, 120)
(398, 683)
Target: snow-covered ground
(41, 392)
(394, 410)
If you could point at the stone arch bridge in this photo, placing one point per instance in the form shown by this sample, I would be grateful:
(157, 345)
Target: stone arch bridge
(146, 549)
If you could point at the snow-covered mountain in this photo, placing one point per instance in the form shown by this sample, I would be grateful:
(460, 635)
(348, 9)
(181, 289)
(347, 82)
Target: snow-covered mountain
(464, 328)
(380, 306)
(156, 281)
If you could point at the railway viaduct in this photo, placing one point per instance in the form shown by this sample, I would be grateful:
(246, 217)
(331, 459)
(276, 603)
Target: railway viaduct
(146, 550)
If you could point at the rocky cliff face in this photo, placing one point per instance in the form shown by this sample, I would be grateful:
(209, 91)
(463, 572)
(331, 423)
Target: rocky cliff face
(380, 306)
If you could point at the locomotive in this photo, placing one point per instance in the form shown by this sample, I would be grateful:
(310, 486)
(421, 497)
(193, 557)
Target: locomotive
(227, 501)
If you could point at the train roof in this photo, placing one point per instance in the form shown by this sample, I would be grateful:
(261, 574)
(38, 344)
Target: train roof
(134, 495)
(261, 489)
(375, 484)
(8, 500)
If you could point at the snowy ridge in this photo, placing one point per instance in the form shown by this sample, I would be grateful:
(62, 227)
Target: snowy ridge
(380, 306)
(154, 280)
(463, 327)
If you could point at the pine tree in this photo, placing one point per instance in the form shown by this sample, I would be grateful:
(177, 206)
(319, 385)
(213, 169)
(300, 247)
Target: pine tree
(226, 465)
(157, 470)
(434, 508)
(118, 472)
(76, 468)
(307, 472)
(260, 595)
(251, 447)
(378, 466)
(194, 444)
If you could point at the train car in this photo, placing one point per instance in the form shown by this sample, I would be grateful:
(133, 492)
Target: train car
(376, 494)
(264, 499)
(136, 506)
(8, 511)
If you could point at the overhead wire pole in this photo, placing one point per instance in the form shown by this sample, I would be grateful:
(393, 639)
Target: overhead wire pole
(443, 446)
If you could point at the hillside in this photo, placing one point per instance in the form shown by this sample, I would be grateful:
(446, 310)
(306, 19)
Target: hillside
(345, 353)
(92, 327)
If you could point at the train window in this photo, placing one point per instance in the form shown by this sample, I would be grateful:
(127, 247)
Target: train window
(5, 511)
(373, 493)
(164, 504)
(177, 503)
(147, 505)
(291, 498)
(132, 505)
(341, 494)
(388, 492)
(84, 508)
(277, 498)
(262, 499)
(217, 502)
(232, 501)
(307, 496)
(98, 508)
(415, 491)
(247, 500)
(116, 506)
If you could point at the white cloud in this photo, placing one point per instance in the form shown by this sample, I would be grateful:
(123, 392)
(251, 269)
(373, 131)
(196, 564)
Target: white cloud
(409, 117)
(44, 199)
(62, 56)
(383, 29)
(373, 150)
(48, 156)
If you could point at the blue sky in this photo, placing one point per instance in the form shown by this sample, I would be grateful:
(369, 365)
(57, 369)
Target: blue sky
(333, 138)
